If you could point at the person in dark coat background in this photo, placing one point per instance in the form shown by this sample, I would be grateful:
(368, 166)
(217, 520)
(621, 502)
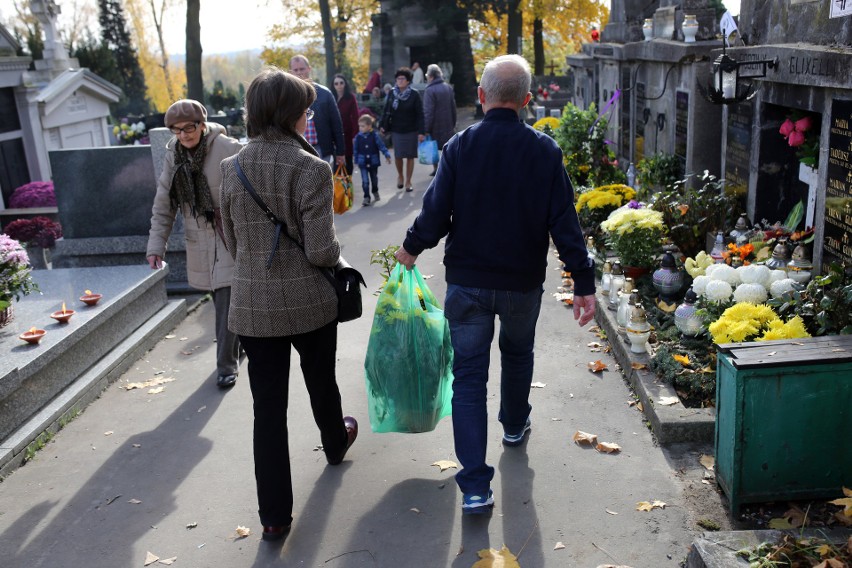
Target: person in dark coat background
(348, 107)
(439, 109)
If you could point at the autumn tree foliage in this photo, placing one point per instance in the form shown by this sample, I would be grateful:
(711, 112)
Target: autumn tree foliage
(344, 31)
(128, 74)
(165, 82)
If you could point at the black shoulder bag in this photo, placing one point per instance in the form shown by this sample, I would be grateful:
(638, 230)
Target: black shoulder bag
(342, 277)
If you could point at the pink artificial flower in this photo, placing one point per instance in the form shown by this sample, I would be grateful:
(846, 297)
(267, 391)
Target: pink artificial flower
(554, 87)
(787, 128)
(796, 139)
(803, 124)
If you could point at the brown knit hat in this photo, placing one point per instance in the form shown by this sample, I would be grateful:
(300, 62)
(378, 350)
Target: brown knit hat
(185, 110)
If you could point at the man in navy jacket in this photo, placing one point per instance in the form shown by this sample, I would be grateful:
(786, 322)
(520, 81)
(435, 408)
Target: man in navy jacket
(500, 193)
(327, 121)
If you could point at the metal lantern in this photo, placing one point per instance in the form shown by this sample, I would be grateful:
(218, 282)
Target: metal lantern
(668, 279)
(638, 330)
(800, 267)
(741, 229)
(780, 257)
(685, 316)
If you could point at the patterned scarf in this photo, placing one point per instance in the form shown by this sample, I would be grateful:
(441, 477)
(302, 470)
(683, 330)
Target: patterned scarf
(397, 96)
(189, 184)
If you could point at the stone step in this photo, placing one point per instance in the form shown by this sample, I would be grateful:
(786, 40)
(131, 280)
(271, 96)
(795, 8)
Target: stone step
(719, 549)
(39, 384)
(670, 424)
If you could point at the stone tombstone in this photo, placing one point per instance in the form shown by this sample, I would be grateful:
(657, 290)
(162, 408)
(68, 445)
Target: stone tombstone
(838, 188)
(104, 192)
(664, 22)
(681, 125)
(738, 148)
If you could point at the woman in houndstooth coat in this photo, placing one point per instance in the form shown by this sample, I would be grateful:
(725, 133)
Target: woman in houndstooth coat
(289, 303)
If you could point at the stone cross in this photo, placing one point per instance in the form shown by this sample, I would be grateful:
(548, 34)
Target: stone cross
(47, 12)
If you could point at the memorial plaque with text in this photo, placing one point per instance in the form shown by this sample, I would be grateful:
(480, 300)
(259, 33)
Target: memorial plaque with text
(639, 142)
(738, 151)
(681, 125)
(838, 188)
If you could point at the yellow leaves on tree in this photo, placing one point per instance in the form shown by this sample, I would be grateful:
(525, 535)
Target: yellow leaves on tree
(490, 558)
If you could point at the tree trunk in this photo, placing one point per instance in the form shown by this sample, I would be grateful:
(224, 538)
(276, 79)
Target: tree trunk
(464, 74)
(515, 27)
(328, 39)
(194, 80)
(164, 56)
(538, 46)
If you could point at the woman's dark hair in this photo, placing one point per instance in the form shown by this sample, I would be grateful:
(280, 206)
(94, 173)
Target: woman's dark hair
(404, 72)
(346, 90)
(275, 101)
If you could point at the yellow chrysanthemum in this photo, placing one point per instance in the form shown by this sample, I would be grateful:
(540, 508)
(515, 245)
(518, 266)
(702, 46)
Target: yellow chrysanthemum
(540, 124)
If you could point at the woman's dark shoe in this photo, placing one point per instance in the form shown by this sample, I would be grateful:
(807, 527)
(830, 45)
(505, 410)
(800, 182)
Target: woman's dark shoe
(275, 533)
(351, 433)
(399, 183)
(226, 381)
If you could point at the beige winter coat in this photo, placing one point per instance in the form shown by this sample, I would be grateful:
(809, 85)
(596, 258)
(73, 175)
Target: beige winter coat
(291, 297)
(208, 264)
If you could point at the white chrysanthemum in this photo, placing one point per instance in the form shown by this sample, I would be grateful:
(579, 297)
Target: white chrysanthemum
(726, 273)
(753, 293)
(718, 290)
(699, 284)
(776, 275)
(778, 287)
(754, 274)
(712, 268)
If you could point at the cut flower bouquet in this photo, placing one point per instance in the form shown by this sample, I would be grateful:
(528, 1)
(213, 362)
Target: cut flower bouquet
(15, 277)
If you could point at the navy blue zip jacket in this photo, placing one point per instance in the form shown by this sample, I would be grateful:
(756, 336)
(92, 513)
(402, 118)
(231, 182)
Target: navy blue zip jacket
(501, 190)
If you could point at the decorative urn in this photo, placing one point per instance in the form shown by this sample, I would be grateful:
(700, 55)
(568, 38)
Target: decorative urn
(690, 28)
(638, 330)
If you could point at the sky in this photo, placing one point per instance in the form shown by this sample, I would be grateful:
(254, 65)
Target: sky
(229, 25)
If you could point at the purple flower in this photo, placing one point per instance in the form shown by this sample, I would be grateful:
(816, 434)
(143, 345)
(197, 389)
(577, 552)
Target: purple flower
(634, 204)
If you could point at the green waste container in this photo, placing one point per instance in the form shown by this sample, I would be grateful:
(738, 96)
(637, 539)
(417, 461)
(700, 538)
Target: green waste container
(784, 419)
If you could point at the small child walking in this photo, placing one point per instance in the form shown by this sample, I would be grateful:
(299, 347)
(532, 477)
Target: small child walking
(365, 153)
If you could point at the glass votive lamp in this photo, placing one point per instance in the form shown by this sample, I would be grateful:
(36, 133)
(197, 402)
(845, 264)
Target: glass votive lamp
(668, 279)
(800, 267)
(741, 228)
(686, 318)
(616, 284)
(638, 330)
(625, 304)
(606, 279)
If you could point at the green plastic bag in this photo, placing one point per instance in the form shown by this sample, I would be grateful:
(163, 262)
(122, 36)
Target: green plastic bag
(409, 364)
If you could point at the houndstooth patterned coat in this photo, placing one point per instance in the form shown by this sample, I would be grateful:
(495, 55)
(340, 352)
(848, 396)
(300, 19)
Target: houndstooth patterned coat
(291, 297)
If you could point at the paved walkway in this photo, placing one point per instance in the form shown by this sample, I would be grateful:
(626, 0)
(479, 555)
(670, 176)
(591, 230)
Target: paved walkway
(135, 471)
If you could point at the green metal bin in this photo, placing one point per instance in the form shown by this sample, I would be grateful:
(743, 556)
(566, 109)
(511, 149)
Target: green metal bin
(784, 419)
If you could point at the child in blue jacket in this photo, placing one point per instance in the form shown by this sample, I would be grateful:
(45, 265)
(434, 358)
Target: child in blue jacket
(365, 153)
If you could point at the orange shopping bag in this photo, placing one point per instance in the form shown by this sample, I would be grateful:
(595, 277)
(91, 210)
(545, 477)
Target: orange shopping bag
(342, 190)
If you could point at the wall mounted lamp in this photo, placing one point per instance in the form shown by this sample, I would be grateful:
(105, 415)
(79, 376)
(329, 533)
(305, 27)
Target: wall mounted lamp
(726, 86)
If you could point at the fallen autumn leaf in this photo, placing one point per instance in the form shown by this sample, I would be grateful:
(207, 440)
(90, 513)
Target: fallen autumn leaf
(608, 447)
(597, 366)
(491, 558)
(581, 438)
(446, 464)
(667, 400)
(559, 546)
(150, 558)
(242, 531)
(538, 385)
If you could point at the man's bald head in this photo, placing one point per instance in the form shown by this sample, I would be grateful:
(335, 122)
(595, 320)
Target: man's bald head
(506, 80)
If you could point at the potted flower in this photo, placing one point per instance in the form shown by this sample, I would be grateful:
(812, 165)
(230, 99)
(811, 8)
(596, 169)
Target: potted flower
(15, 276)
(634, 233)
(38, 232)
(594, 205)
(33, 194)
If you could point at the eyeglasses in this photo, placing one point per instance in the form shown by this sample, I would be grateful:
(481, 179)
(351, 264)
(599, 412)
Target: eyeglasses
(189, 129)
(309, 113)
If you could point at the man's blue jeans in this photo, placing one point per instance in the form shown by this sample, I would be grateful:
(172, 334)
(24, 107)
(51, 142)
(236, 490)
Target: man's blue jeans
(471, 312)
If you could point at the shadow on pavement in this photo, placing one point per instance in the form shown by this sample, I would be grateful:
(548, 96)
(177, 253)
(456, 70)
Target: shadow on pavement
(95, 527)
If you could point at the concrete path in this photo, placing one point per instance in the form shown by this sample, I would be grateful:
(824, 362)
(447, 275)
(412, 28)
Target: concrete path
(136, 470)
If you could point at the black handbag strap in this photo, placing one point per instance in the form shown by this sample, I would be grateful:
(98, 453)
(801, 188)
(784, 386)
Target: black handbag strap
(280, 226)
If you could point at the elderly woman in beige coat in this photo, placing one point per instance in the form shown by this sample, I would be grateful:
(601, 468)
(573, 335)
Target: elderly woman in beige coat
(190, 183)
(287, 303)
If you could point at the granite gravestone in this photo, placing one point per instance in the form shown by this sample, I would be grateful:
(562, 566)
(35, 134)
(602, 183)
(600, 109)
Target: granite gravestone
(738, 149)
(104, 192)
(838, 188)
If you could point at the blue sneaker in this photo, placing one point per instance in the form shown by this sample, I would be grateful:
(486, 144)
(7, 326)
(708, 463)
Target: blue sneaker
(516, 439)
(474, 504)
